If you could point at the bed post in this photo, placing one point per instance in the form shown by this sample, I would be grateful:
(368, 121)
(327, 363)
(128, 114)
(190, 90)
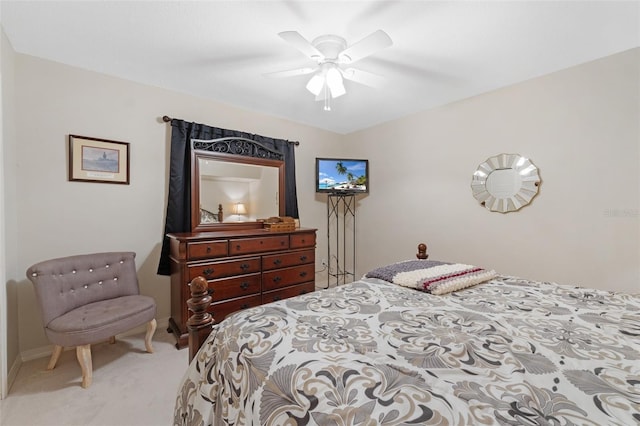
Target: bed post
(220, 213)
(199, 324)
(422, 251)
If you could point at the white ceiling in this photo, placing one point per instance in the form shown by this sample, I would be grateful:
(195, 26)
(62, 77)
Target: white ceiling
(442, 51)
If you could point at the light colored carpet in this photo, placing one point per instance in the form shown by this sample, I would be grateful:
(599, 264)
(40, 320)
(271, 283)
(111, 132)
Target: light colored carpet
(130, 386)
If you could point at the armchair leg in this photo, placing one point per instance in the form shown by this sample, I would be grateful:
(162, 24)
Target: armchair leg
(55, 355)
(84, 358)
(151, 328)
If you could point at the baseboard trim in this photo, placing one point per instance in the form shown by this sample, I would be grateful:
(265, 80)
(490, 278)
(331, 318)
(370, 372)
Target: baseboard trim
(13, 373)
(45, 351)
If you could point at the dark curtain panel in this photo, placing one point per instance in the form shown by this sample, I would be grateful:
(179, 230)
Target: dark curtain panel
(288, 150)
(178, 217)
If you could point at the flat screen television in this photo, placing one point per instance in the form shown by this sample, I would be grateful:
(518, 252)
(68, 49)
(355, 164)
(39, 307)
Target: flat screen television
(342, 175)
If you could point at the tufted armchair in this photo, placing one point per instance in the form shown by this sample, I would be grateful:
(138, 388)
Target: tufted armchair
(90, 298)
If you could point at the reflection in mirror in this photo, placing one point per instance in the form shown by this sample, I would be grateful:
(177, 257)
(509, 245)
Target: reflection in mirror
(245, 192)
(234, 191)
(505, 182)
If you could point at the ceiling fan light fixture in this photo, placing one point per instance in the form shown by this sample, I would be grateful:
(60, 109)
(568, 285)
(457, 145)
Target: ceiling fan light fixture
(331, 52)
(316, 83)
(328, 79)
(337, 91)
(334, 82)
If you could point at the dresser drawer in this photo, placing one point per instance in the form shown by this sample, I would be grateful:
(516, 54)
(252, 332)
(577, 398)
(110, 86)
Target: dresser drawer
(280, 278)
(223, 269)
(285, 293)
(229, 288)
(276, 261)
(258, 245)
(207, 249)
(221, 310)
(305, 239)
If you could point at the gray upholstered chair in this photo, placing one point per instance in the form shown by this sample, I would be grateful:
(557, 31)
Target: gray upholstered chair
(88, 299)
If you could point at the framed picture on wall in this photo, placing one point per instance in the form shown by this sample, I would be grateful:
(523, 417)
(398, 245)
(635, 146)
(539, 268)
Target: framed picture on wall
(98, 160)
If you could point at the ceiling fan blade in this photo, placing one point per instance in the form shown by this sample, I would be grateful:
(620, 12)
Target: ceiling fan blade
(363, 77)
(302, 44)
(290, 73)
(375, 41)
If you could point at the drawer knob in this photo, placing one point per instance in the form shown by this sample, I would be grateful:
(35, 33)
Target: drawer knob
(277, 279)
(303, 258)
(244, 266)
(237, 246)
(244, 306)
(207, 271)
(210, 291)
(208, 249)
(244, 285)
(277, 262)
(303, 241)
(303, 274)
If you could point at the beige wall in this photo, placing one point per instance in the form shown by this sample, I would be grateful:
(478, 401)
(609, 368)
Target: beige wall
(8, 231)
(580, 126)
(58, 218)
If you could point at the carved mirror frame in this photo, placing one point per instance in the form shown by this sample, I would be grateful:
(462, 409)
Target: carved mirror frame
(505, 183)
(232, 150)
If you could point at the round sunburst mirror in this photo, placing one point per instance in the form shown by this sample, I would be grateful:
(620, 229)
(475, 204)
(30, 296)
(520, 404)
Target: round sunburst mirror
(505, 183)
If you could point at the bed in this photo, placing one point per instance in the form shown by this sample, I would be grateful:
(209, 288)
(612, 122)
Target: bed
(386, 350)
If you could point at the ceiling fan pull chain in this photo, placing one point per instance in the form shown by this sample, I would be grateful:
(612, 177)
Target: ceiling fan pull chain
(327, 98)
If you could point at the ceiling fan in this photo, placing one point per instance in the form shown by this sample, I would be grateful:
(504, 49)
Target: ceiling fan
(333, 58)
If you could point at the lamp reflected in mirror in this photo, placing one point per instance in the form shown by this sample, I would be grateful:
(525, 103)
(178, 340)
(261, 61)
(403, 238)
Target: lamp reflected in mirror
(239, 210)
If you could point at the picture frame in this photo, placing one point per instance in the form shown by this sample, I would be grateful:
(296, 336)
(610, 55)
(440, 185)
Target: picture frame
(98, 160)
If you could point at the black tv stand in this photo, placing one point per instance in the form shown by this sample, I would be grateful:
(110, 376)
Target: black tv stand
(341, 251)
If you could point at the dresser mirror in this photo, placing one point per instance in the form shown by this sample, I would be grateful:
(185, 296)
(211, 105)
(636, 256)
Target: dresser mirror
(505, 183)
(233, 191)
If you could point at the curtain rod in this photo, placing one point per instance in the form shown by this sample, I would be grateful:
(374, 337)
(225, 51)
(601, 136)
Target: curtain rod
(167, 119)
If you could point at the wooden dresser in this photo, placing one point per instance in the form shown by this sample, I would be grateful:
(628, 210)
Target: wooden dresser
(244, 268)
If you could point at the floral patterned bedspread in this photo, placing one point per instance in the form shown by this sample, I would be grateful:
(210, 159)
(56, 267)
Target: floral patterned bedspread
(507, 352)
